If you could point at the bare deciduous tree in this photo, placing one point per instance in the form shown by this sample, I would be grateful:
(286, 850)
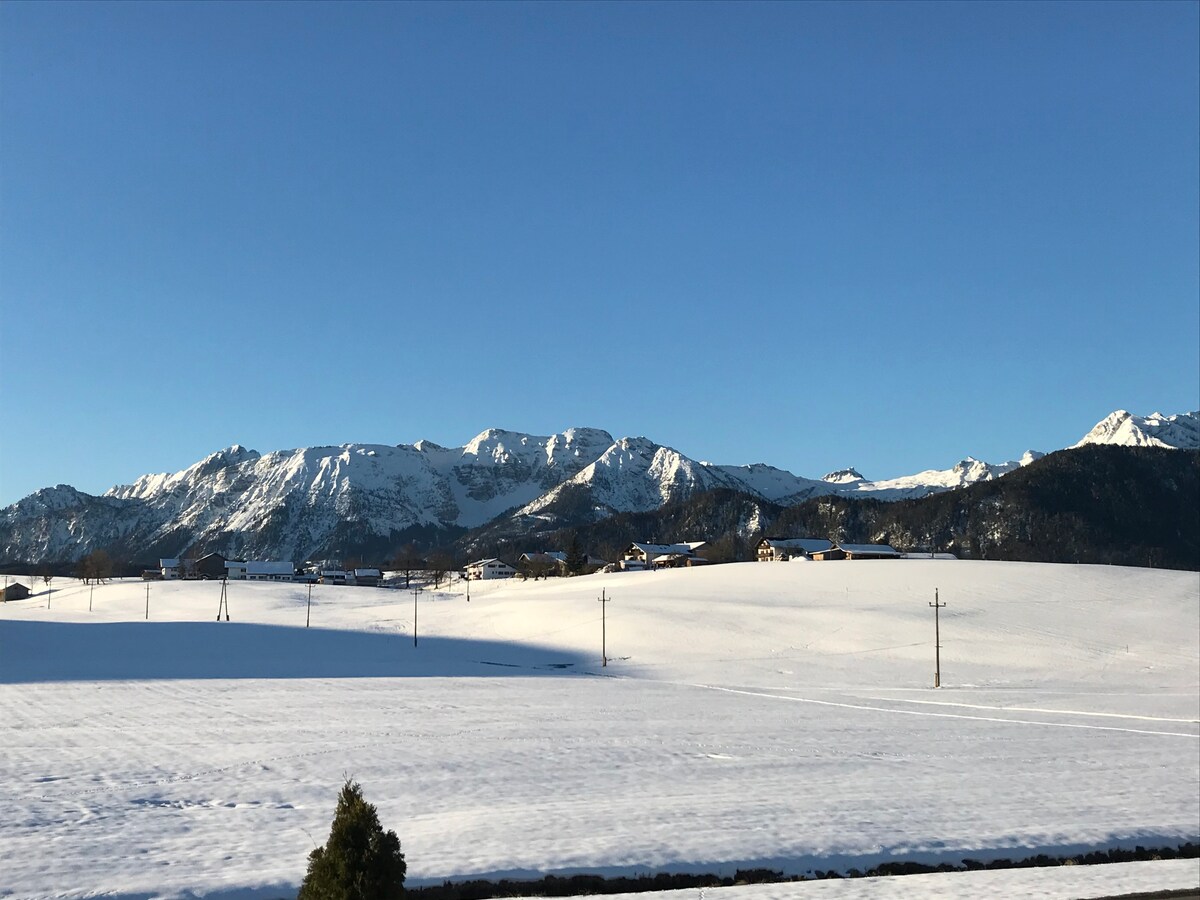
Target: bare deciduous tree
(406, 560)
(440, 564)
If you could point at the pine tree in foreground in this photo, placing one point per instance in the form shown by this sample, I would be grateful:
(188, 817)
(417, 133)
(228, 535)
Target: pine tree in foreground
(360, 861)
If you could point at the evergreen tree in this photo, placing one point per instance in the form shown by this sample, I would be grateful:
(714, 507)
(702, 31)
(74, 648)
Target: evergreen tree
(360, 861)
(576, 558)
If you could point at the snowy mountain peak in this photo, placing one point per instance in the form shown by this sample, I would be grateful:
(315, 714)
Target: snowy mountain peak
(231, 456)
(580, 439)
(1123, 428)
(150, 485)
(843, 476)
(494, 443)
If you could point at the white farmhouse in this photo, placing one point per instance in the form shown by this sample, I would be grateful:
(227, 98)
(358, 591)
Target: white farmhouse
(259, 570)
(486, 569)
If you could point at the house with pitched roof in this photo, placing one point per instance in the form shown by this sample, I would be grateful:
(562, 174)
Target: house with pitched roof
(783, 549)
(638, 556)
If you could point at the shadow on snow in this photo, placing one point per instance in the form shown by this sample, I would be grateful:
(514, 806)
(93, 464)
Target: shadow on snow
(117, 651)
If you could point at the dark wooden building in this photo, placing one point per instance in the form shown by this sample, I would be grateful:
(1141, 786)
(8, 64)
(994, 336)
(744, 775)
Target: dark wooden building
(15, 591)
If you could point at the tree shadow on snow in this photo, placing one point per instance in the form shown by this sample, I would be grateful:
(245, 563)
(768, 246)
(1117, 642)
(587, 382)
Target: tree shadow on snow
(118, 651)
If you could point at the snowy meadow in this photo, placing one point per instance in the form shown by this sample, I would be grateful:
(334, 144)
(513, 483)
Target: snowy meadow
(775, 715)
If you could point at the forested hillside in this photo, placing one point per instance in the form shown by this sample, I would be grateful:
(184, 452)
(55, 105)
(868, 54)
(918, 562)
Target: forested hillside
(1136, 506)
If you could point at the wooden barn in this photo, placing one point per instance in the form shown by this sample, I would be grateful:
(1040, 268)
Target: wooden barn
(15, 591)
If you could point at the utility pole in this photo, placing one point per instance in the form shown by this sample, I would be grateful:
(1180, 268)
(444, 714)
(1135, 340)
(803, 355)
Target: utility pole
(937, 640)
(468, 587)
(91, 590)
(414, 617)
(224, 601)
(308, 611)
(603, 600)
(147, 601)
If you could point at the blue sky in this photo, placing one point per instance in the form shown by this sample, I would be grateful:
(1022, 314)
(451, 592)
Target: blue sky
(815, 235)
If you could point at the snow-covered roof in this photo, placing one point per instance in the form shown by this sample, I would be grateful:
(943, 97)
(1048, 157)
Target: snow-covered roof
(265, 567)
(485, 562)
(808, 545)
(367, 573)
(881, 549)
(660, 549)
(552, 555)
(168, 564)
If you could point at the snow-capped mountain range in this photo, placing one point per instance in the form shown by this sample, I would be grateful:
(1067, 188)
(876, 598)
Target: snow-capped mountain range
(309, 503)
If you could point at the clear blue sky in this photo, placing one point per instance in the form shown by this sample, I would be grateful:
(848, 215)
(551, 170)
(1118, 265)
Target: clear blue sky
(815, 235)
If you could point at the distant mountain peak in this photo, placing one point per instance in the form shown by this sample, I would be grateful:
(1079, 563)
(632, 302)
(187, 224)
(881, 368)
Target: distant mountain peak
(843, 476)
(1123, 428)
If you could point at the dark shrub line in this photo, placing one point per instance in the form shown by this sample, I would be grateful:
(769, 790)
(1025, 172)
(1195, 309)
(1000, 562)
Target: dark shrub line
(555, 886)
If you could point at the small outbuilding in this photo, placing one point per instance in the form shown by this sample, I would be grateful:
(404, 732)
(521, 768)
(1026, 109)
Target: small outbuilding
(15, 591)
(871, 551)
(831, 553)
(367, 577)
(678, 561)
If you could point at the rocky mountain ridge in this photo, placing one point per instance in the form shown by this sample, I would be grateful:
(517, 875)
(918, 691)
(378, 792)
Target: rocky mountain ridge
(364, 500)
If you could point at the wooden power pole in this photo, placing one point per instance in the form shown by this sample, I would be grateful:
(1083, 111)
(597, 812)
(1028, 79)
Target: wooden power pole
(224, 602)
(604, 600)
(937, 641)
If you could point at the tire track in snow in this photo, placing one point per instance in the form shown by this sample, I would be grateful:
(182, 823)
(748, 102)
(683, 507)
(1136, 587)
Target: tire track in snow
(939, 715)
(1036, 709)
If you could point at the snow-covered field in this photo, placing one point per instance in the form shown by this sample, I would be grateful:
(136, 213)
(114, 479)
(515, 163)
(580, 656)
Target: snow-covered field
(777, 715)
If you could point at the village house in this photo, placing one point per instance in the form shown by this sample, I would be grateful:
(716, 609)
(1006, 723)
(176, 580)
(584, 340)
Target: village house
(543, 562)
(777, 549)
(638, 556)
(486, 569)
(211, 565)
(260, 570)
(552, 557)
